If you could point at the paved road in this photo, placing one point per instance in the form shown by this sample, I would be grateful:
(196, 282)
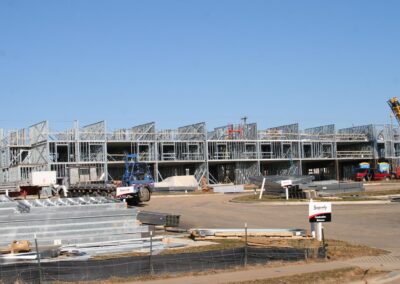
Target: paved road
(376, 225)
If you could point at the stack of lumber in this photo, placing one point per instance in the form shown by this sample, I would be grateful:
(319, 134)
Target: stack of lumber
(214, 234)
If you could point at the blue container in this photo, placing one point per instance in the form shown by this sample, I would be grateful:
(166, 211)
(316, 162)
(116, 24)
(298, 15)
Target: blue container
(383, 167)
(364, 165)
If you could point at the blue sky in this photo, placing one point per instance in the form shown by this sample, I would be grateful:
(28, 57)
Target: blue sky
(182, 62)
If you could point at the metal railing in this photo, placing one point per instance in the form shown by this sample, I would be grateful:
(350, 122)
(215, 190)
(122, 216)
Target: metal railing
(354, 154)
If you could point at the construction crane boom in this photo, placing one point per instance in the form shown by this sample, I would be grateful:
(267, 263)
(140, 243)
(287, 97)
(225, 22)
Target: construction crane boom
(394, 105)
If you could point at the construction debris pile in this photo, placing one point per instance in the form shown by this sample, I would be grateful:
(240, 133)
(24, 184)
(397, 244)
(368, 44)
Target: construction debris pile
(90, 225)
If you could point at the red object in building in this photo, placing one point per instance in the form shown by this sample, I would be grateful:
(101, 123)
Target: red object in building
(29, 190)
(396, 173)
(231, 131)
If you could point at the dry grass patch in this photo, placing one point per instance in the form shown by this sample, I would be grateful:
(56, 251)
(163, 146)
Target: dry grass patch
(337, 250)
(264, 198)
(218, 245)
(372, 193)
(340, 250)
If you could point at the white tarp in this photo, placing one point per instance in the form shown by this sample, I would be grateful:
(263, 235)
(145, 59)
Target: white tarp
(178, 181)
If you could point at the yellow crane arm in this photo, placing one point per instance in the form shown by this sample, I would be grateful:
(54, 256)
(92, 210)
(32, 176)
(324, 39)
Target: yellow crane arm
(394, 105)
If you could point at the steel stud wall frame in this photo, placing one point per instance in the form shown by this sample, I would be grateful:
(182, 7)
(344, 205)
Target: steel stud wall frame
(232, 152)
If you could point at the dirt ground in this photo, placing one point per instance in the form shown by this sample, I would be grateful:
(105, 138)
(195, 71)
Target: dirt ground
(373, 225)
(376, 225)
(341, 275)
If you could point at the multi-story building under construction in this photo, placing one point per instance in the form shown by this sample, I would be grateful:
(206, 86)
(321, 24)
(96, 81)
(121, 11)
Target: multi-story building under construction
(229, 153)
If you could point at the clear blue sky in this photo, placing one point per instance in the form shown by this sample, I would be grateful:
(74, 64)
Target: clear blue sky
(182, 62)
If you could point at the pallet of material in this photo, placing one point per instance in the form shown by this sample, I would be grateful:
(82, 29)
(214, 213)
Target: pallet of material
(227, 188)
(254, 234)
(239, 233)
(158, 219)
(213, 238)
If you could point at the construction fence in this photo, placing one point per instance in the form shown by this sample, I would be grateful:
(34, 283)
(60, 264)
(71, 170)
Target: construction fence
(140, 266)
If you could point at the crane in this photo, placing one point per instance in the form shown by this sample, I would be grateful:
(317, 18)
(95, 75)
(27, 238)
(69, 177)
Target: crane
(394, 105)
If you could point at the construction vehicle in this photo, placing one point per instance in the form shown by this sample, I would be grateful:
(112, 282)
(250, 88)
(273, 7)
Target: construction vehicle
(370, 174)
(365, 173)
(135, 187)
(394, 105)
(137, 182)
(383, 172)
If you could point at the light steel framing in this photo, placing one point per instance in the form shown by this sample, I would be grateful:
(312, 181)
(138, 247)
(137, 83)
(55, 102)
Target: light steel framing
(229, 153)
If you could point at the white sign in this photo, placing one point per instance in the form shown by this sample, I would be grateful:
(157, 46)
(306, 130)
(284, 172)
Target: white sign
(126, 190)
(319, 212)
(44, 178)
(286, 182)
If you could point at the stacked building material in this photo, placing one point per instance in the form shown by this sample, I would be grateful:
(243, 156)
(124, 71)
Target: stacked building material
(208, 234)
(294, 191)
(158, 219)
(274, 181)
(7, 205)
(227, 188)
(72, 222)
(332, 187)
(119, 246)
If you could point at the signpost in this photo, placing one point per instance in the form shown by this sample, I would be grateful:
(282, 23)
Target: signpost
(262, 188)
(319, 212)
(285, 184)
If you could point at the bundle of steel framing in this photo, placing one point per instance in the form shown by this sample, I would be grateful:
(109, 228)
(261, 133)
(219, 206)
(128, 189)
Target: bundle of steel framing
(158, 219)
(95, 222)
(241, 232)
